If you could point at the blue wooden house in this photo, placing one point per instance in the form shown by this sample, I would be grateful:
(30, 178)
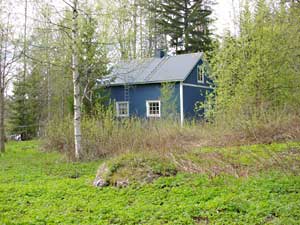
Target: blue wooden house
(135, 86)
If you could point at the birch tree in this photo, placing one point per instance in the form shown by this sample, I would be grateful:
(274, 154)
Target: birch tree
(76, 82)
(8, 57)
(257, 72)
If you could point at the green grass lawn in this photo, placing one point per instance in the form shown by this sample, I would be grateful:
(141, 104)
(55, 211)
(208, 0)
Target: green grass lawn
(42, 188)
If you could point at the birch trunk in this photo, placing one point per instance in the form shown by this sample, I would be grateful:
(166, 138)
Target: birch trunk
(77, 108)
(135, 8)
(2, 134)
(2, 80)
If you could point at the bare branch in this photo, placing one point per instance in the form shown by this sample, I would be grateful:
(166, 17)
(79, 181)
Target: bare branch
(69, 4)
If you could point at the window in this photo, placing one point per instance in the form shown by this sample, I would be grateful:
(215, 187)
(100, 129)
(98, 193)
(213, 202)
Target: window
(153, 108)
(200, 75)
(122, 109)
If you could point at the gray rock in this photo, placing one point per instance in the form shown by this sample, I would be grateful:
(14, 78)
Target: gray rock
(100, 180)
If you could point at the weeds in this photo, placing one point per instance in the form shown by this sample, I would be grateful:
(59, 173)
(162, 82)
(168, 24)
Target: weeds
(105, 136)
(238, 162)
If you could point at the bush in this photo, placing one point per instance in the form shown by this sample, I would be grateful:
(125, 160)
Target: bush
(104, 135)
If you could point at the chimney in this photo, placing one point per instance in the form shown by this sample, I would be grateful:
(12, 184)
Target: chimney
(159, 53)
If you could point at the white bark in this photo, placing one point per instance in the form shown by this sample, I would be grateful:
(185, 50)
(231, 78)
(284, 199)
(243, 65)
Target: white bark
(77, 104)
(2, 133)
(2, 144)
(25, 42)
(2, 81)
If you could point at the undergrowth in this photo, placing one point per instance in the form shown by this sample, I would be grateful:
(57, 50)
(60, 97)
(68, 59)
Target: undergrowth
(45, 188)
(244, 161)
(106, 136)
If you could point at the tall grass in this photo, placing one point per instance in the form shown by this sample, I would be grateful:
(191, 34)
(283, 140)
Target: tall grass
(104, 135)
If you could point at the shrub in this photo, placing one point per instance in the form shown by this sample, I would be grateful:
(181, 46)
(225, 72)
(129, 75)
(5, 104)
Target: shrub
(105, 135)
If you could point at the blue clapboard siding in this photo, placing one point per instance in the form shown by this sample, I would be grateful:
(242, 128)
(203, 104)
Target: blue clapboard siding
(193, 79)
(139, 94)
(191, 96)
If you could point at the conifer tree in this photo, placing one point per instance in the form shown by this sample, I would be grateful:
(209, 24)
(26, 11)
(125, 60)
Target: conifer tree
(92, 59)
(187, 23)
(24, 108)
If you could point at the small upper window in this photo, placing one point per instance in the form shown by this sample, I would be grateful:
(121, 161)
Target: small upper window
(153, 108)
(200, 74)
(122, 109)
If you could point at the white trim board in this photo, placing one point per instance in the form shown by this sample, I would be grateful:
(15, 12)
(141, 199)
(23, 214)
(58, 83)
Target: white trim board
(148, 108)
(181, 104)
(199, 70)
(118, 109)
(197, 85)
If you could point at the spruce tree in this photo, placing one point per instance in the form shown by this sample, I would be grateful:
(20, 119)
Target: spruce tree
(187, 23)
(92, 62)
(24, 108)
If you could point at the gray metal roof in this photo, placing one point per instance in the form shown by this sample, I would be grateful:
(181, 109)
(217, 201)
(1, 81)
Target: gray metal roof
(153, 70)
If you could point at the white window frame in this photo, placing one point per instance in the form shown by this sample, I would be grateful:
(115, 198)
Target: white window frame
(118, 109)
(200, 69)
(148, 108)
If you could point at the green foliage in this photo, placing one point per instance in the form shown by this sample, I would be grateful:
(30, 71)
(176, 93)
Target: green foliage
(42, 188)
(92, 61)
(258, 70)
(24, 108)
(48, 83)
(186, 22)
(243, 161)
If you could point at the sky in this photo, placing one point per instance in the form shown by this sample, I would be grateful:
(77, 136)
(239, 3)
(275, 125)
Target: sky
(223, 14)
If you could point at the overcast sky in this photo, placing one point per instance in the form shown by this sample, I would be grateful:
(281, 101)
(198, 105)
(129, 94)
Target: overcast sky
(224, 13)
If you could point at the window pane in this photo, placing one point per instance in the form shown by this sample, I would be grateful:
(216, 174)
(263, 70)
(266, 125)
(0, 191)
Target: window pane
(122, 108)
(154, 108)
(200, 74)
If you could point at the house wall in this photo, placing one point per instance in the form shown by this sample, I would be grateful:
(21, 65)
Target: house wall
(193, 93)
(191, 96)
(139, 94)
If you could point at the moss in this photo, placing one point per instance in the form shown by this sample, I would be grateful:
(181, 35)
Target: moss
(138, 168)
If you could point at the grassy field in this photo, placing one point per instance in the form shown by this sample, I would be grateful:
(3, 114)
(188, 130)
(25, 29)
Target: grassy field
(42, 188)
